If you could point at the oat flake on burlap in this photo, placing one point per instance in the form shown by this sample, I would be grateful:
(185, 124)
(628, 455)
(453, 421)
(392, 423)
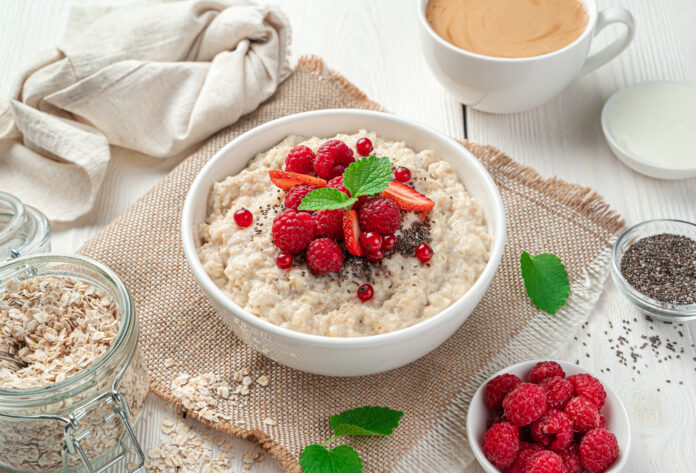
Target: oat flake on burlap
(544, 215)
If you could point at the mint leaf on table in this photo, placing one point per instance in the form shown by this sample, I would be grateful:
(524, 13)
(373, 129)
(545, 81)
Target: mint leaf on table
(546, 281)
(366, 421)
(326, 198)
(368, 176)
(342, 459)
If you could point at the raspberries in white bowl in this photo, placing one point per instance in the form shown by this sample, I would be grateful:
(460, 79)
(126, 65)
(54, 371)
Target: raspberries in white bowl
(548, 417)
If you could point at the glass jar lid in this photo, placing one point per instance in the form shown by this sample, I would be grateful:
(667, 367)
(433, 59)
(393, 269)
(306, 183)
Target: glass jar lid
(24, 230)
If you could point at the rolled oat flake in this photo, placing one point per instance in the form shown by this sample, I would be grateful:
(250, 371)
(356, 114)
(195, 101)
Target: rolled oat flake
(662, 267)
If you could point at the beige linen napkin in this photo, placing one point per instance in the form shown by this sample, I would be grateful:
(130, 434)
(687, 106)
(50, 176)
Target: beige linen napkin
(154, 77)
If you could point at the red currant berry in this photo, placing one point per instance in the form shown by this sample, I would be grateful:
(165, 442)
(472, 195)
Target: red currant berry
(243, 217)
(402, 174)
(388, 242)
(284, 260)
(364, 146)
(375, 255)
(424, 253)
(371, 241)
(365, 292)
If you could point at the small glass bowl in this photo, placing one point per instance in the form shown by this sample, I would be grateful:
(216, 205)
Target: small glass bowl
(654, 308)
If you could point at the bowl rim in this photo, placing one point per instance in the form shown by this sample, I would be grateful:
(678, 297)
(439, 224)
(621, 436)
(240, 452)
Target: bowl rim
(621, 408)
(674, 171)
(496, 252)
(655, 307)
(590, 5)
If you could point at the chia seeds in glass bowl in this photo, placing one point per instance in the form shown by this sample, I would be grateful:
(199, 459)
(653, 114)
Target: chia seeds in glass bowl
(654, 266)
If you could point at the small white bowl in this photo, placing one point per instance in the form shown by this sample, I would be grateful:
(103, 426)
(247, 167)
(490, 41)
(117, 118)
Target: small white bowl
(613, 411)
(348, 356)
(632, 160)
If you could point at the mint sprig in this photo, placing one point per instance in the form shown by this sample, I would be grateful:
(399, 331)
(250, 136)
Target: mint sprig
(326, 198)
(365, 176)
(368, 176)
(546, 281)
(364, 421)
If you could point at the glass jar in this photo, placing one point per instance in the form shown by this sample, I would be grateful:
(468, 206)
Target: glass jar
(85, 422)
(24, 230)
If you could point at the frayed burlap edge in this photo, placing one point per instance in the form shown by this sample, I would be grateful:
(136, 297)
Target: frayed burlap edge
(446, 438)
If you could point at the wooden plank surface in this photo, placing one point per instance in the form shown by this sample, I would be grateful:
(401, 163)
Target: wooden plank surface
(374, 44)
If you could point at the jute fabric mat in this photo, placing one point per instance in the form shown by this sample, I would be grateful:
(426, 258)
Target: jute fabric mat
(177, 323)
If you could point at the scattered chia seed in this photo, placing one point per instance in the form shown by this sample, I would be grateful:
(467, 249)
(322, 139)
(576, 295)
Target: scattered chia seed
(662, 267)
(413, 236)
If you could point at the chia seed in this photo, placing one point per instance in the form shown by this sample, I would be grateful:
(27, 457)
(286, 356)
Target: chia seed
(413, 236)
(662, 267)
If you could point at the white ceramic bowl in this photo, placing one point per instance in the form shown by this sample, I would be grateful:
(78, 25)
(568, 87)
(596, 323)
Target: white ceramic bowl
(631, 160)
(357, 355)
(613, 411)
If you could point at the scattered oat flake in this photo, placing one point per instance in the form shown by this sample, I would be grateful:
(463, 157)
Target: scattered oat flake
(269, 421)
(263, 380)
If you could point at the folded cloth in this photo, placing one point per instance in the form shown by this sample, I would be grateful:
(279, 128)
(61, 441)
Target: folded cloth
(155, 77)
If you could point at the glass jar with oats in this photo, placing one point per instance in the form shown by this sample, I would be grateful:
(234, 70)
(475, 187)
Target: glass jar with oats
(73, 382)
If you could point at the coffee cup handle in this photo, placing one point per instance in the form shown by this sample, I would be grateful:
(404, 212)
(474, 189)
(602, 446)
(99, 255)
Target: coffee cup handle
(605, 18)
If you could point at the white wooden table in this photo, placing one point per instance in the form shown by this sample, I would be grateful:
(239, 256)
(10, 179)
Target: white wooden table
(374, 44)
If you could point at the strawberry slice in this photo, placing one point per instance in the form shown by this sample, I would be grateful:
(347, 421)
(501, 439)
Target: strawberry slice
(288, 180)
(351, 232)
(407, 198)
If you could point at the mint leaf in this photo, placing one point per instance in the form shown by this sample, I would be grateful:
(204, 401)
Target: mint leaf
(368, 176)
(366, 421)
(342, 459)
(326, 198)
(546, 281)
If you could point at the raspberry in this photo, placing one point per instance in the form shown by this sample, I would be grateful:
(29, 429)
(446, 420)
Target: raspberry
(602, 421)
(329, 224)
(524, 404)
(300, 159)
(554, 430)
(526, 450)
(294, 197)
(381, 215)
(337, 183)
(571, 458)
(293, 230)
(598, 450)
(558, 391)
(583, 414)
(329, 154)
(544, 369)
(324, 256)
(497, 388)
(501, 443)
(589, 387)
(545, 462)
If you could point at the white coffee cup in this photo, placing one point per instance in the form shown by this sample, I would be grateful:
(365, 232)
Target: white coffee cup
(508, 85)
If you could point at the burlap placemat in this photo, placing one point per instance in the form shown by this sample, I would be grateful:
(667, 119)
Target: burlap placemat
(143, 246)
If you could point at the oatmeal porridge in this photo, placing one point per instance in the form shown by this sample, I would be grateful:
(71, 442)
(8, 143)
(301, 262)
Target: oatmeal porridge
(403, 288)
